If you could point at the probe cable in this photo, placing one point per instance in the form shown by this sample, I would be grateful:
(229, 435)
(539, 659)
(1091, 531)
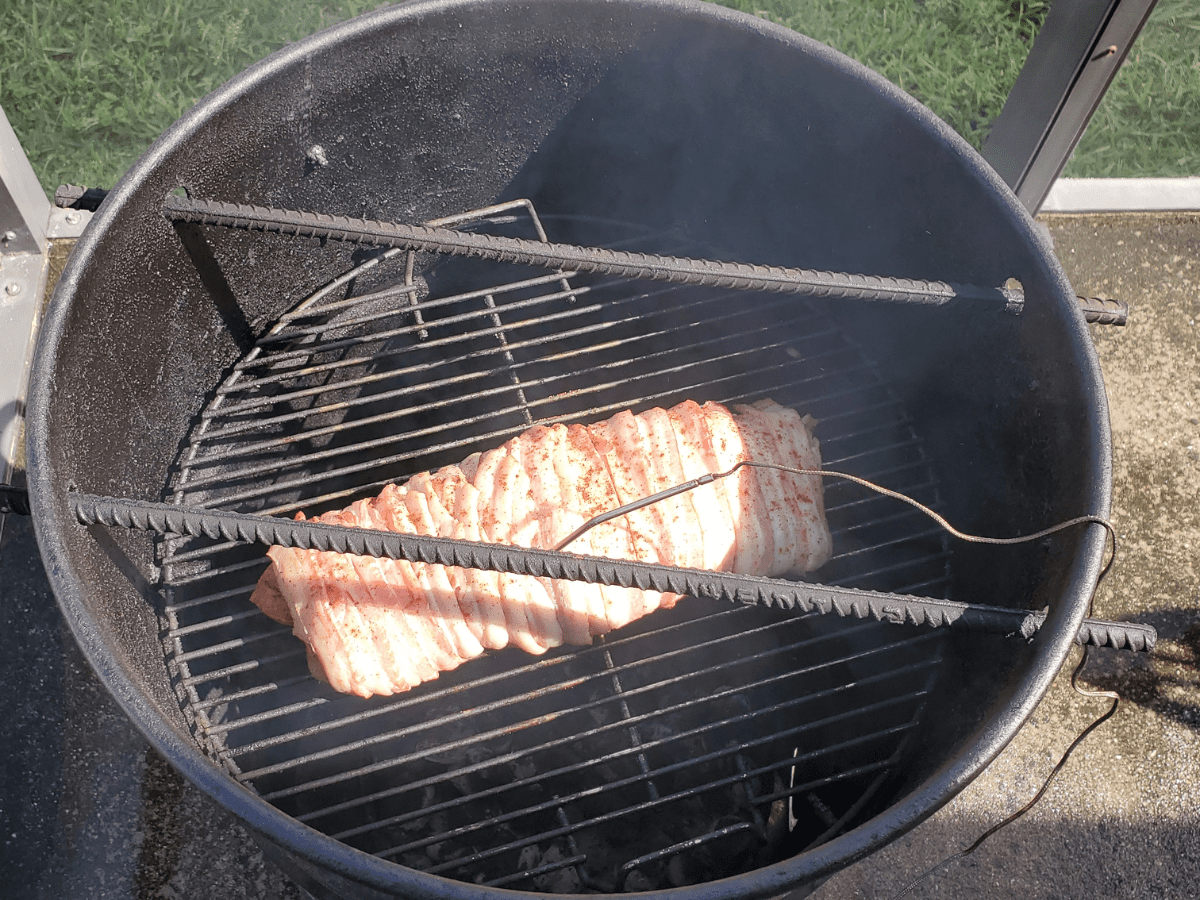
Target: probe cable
(710, 477)
(1085, 692)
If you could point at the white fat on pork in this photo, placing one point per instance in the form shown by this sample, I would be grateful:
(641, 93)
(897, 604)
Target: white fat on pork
(379, 626)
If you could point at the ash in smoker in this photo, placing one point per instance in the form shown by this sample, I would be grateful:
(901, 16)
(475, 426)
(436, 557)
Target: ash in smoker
(695, 838)
(705, 745)
(653, 789)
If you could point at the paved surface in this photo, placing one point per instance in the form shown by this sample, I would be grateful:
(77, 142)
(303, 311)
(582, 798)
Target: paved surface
(87, 810)
(1123, 817)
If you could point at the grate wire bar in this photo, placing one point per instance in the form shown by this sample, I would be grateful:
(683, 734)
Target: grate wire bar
(698, 742)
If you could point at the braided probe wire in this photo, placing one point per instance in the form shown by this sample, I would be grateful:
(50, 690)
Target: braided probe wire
(978, 539)
(710, 477)
(1012, 817)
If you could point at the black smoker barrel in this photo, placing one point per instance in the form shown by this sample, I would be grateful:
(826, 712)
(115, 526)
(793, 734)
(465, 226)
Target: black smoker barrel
(731, 751)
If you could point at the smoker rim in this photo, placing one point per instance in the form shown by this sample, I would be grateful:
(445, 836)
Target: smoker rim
(1051, 646)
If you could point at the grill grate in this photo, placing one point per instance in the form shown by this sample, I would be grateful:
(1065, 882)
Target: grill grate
(694, 744)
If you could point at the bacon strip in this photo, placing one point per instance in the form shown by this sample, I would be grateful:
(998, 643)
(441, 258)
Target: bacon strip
(379, 626)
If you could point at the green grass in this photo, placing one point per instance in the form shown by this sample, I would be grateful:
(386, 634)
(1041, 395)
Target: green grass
(88, 84)
(961, 57)
(958, 57)
(1149, 121)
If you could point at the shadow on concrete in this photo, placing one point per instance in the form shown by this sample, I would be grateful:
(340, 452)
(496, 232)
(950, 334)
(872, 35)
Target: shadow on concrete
(87, 807)
(1071, 860)
(1166, 681)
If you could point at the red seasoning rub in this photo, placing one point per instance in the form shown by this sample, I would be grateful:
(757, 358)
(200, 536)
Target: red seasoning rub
(380, 626)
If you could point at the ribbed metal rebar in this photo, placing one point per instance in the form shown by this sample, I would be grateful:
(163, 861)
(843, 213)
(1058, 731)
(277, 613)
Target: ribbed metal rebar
(647, 266)
(165, 518)
(1103, 311)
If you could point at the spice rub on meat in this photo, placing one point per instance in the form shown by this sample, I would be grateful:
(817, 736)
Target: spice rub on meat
(380, 626)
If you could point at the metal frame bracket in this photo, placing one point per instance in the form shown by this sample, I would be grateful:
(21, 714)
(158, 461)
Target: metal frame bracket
(28, 223)
(1075, 57)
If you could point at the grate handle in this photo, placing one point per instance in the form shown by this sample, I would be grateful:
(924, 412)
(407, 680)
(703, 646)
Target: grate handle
(166, 518)
(673, 269)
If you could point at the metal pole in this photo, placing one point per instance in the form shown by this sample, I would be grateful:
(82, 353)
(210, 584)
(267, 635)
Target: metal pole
(28, 225)
(1075, 57)
(24, 217)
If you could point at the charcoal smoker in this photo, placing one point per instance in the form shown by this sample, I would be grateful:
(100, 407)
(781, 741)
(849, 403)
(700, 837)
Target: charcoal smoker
(729, 750)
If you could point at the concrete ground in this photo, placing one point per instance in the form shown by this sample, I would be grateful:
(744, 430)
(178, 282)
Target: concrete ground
(88, 810)
(1122, 819)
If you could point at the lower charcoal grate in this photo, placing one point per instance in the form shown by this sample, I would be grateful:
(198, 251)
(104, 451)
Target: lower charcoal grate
(697, 743)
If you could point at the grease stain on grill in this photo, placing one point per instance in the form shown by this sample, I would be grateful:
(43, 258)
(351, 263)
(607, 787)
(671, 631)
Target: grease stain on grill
(697, 743)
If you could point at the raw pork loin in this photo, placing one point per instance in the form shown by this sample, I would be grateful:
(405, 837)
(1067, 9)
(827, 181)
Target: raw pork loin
(379, 626)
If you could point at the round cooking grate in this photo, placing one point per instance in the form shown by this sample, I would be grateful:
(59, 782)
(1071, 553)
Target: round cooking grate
(697, 743)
